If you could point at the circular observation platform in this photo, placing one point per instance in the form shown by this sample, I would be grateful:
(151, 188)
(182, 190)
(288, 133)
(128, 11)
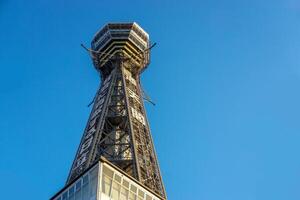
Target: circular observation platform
(119, 42)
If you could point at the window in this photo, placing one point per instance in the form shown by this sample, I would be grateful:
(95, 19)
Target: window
(108, 172)
(123, 193)
(78, 194)
(85, 179)
(115, 191)
(133, 188)
(125, 183)
(118, 178)
(132, 196)
(141, 195)
(148, 197)
(78, 190)
(106, 184)
(78, 185)
(65, 196)
(71, 191)
(58, 198)
(85, 190)
(93, 181)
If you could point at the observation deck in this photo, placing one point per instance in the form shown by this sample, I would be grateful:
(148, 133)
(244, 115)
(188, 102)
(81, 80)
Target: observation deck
(121, 40)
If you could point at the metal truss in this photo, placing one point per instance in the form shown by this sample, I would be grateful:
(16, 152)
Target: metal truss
(122, 133)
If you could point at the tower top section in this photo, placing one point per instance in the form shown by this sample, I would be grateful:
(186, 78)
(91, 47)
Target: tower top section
(125, 41)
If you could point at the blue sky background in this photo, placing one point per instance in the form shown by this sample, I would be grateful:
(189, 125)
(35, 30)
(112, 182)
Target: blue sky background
(225, 76)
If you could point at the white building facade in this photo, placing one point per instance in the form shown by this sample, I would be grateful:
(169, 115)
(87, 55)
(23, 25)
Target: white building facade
(104, 181)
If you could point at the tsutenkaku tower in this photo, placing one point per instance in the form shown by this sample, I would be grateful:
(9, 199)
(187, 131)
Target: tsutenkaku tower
(118, 129)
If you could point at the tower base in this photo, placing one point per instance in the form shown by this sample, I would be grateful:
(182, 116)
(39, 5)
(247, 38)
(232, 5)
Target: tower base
(104, 181)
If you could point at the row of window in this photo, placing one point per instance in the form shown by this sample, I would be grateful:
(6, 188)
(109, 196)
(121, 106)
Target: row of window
(116, 187)
(82, 189)
(128, 27)
(142, 44)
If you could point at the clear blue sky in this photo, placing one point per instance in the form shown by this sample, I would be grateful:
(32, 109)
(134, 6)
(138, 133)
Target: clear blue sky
(225, 76)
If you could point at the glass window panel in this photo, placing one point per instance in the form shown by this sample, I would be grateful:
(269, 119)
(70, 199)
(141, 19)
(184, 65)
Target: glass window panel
(125, 183)
(78, 195)
(94, 172)
(141, 193)
(118, 178)
(78, 185)
(148, 197)
(65, 196)
(85, 192)
(132, 196)
(93, 181)
(93, 184)
(85, 179)
(124, 193)
(133, 188)
(115, 191)
(108, 172)
(106, 184)
(71, 190)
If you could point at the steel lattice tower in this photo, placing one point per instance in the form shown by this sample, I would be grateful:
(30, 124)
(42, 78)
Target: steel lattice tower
(118, 128)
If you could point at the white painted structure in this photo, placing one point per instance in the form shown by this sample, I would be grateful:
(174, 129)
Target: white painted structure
(103, 181)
